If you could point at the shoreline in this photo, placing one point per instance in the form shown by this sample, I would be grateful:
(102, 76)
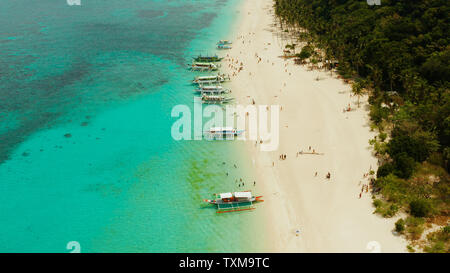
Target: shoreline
(328, 213)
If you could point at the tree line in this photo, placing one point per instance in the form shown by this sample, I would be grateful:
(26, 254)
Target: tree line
(399, 52)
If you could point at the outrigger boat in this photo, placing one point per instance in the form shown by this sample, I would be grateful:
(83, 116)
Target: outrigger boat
(222, 46)
(212, 99)
(209, 79)
(197, 66)
(225, 131)
(224, 42)
(208, 59)
(232, 202)
(212, 89)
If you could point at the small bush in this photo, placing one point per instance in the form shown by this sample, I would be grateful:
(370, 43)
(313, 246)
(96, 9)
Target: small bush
(414, 227)
(400, 226)
(385, 170)
(404, 166)
(377, 114)
(392, 210)
(383, 137)
(377, 203)
(384, 208)
(446, 230)
(420, 208)
(306, 52)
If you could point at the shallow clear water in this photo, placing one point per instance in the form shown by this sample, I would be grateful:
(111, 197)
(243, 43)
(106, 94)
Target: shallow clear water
(86, 152)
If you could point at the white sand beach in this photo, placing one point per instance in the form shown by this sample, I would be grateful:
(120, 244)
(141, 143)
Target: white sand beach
(329, 213)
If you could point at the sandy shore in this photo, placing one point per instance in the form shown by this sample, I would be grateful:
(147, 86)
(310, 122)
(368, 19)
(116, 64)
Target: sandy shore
(329, 213)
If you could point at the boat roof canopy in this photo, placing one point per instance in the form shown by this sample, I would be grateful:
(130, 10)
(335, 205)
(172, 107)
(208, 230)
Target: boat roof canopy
(225, 195)
(245, 194)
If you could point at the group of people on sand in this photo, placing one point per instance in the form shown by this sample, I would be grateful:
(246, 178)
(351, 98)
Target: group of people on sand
(283, 157)
(234, 65)
(365, 188)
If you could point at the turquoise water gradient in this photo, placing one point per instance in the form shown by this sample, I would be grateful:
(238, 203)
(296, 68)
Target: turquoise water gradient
(85, 147)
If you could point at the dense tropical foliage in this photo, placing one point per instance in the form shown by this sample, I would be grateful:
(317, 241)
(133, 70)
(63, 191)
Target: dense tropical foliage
(398, 51)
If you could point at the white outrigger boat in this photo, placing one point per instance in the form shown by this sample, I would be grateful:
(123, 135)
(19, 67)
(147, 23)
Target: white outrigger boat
(212, 89)
(209, 59)
(213, 99)
(232, 202)
(210, 79)
(224, 131)
(224, 42)
(196, 66)
(221, 46)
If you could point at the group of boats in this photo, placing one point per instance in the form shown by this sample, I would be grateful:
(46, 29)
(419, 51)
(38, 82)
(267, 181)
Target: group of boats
(212, 92)
(210, 89)
(224, 44)
(209, 63)
(210, 86)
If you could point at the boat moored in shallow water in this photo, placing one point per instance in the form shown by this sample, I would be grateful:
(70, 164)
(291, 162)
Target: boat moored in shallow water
(198, 66)
(224, 42)
(221, 46)
(215, 99)
(207, 59)
(232, 202)
(212, 89)
(210, 79)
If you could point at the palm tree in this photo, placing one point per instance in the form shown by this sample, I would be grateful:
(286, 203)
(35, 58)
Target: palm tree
(357, 90)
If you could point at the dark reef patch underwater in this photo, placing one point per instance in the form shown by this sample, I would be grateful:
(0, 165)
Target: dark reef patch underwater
(54, 57)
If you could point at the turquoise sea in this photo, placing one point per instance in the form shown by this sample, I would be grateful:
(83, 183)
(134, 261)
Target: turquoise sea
(86, 152)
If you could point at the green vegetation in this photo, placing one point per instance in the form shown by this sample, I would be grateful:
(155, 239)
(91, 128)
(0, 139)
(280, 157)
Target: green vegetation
(414, 227)
(420, 208)
(384, 208)
(400, 226)
(399, 54)
(307, 51)
(439, 241)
